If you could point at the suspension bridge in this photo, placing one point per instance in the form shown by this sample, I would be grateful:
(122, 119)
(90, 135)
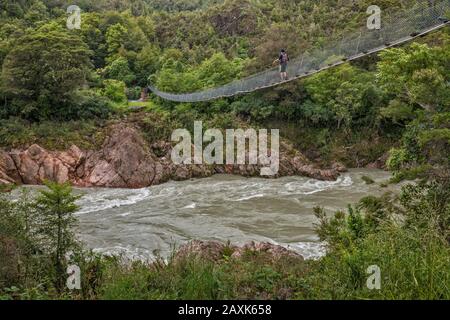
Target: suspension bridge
(396, 29)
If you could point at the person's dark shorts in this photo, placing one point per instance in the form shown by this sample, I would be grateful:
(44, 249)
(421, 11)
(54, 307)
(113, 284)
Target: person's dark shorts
(283, 67)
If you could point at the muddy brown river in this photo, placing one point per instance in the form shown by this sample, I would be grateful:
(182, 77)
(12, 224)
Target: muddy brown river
(152, 221)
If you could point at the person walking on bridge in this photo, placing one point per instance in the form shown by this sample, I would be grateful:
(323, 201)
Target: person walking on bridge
(282, 61)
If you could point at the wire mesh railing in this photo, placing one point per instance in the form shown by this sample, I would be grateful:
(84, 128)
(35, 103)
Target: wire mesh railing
(396, 28)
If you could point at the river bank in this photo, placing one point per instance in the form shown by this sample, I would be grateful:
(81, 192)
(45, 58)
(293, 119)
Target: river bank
(126, 160)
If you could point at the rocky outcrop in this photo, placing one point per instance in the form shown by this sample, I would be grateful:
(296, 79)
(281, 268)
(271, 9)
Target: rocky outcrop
(127, 161)
(380, 163)
(216, 251)
(35, 165)
(8, 169)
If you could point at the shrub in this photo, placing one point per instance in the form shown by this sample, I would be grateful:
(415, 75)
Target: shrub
(120, 70)
(397, 158)
(115, 90)
(90, 105)
(133, 93)
(407, 239)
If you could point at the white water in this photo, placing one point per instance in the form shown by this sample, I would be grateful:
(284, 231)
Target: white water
(143, 223)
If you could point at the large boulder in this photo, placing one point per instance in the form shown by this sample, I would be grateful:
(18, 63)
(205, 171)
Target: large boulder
(35, 165)
(123, 161)
(8, 170)
(28, 163)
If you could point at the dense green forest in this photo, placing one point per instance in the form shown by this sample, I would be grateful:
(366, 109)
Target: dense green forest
(50, 73)
(60, 86)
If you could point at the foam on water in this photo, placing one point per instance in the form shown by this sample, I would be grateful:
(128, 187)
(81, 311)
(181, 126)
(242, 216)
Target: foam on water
(138, 223)
(309, 250)
(259, 195)
(312, 186)
(110, 198)
(126, 253)
(125, 214)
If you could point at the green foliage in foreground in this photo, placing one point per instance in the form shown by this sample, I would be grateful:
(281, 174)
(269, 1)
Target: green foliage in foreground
(36, 238)
(407, 236)
(254, 276)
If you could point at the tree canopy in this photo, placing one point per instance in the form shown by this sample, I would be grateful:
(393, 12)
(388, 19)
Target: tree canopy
(42, 71)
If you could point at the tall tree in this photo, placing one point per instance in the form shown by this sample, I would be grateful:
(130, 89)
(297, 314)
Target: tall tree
(56, 207)
(42, 71)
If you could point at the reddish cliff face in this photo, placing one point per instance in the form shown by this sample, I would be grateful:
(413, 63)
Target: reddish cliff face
(127, 161)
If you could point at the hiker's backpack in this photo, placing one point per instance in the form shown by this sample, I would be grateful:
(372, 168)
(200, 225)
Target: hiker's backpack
(284, 57)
